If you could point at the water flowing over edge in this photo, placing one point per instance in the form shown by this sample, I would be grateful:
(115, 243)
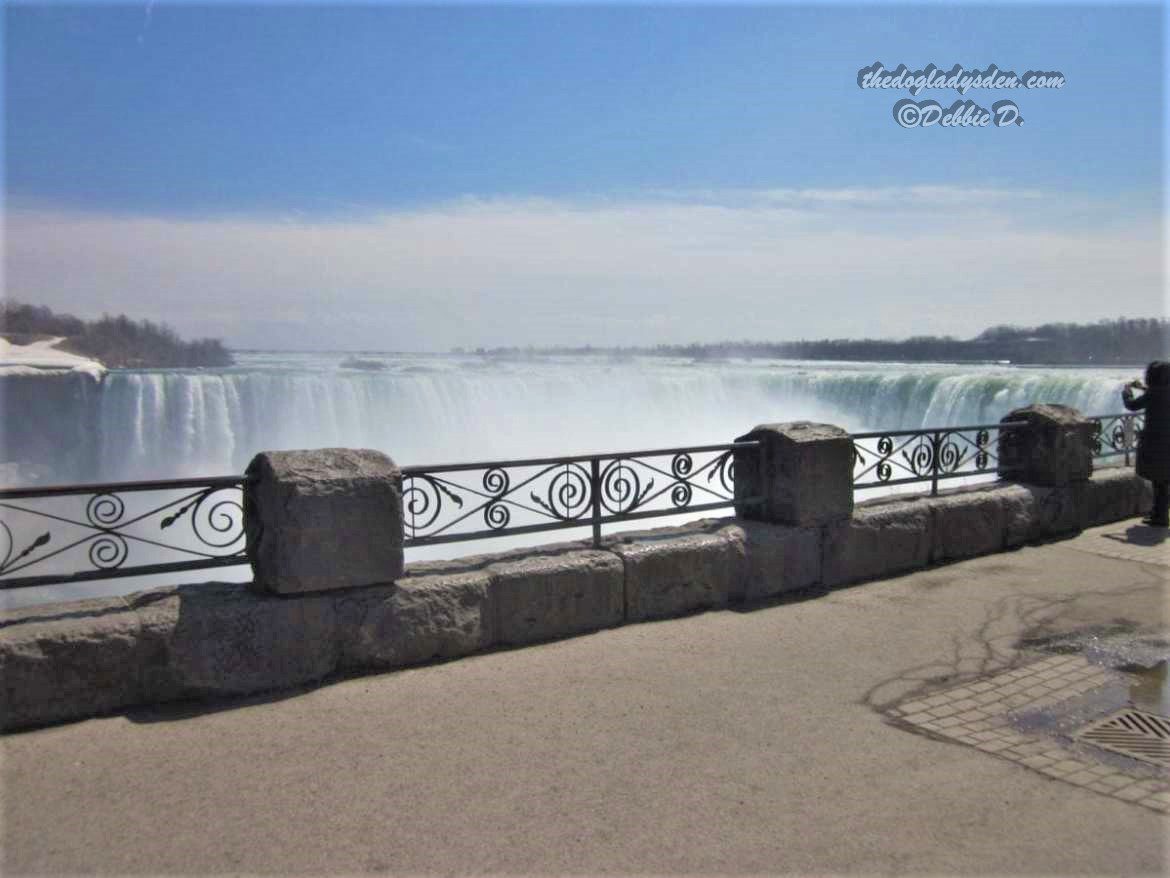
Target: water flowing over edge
(150, 424)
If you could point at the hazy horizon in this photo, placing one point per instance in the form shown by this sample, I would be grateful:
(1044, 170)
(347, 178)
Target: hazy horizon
(604, 347)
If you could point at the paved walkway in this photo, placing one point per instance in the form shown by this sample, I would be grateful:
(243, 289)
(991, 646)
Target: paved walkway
(836, 734)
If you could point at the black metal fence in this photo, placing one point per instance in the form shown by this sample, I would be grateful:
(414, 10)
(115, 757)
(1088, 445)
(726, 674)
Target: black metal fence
(1116, 435)
(933, 455)
(75, 533)
(468, 501)
(903, 457)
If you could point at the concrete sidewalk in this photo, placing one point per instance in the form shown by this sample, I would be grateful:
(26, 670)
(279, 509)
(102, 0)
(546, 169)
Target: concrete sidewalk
(853, 731)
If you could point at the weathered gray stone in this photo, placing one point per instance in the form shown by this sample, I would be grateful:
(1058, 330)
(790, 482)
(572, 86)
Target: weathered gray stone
(224, 639)
(1021, 516)
(1037, 512)
(1054, 449)
(1033, 512)
(803, 470)
(547, 596)
(669, 573)
(966, 524)
(66, 661)
(1060, 508)
(779, 558)
(880, 540)
(1111, 495)
(417, 619)
(324, 519)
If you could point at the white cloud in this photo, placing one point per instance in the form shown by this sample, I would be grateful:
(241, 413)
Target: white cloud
(935, 197)
(768, 264)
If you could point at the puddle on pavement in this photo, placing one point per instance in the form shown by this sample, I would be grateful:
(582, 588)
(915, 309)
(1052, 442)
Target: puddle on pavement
(1043, 639)
(1140, 679)
(1120, 647)
(1150, 689)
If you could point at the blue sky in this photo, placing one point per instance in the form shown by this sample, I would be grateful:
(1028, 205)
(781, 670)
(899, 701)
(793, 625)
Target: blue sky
(697, 147)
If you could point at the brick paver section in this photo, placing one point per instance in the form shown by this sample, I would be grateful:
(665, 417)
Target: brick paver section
(983, 715)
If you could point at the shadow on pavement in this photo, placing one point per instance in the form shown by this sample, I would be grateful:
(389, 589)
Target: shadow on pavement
(1141, 535)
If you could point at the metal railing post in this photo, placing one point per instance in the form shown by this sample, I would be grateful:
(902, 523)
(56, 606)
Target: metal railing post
(595, 489)
(936, 448)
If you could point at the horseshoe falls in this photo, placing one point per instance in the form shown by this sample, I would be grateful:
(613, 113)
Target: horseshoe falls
(428, 409)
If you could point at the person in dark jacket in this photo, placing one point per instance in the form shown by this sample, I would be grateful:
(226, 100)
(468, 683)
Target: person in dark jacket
(1153, 453)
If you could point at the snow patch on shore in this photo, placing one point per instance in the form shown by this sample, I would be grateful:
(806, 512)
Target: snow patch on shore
(41, 357)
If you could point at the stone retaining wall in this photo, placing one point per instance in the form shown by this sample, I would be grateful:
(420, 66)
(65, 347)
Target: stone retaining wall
(68, 661)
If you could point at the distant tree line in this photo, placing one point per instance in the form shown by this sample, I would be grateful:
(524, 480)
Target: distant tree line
(117, 342)
(1108, 342)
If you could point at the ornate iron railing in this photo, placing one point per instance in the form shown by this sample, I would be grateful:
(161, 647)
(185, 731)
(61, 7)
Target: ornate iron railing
(902, 457)
(468, 501)
(75, 533)
(1116, 435)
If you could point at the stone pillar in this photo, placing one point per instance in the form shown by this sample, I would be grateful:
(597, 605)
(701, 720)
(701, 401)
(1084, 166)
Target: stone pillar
(803, 471)
(1055, 448)
(324, 519)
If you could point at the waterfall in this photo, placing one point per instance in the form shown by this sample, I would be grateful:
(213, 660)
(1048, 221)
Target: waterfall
(148, 424)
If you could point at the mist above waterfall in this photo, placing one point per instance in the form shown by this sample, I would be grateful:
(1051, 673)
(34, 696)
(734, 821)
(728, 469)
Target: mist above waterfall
(424, 409)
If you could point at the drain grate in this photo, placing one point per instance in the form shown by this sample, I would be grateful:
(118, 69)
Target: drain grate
(1132, 733)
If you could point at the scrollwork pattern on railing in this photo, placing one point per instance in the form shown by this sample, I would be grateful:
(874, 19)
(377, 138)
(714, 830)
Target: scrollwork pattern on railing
(723, 469)
(9, 560)
(108, 551)
(905, 456)
(218, 523)
(1115, 435)
(465, 501)
(568, 494)
(105, 510)
(982, 455)
(622, 490)
(120, 529)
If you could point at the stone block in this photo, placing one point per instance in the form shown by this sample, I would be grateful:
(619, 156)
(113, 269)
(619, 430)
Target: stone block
(324, 519)
(778, 558)
(1021, 514)
(1060, 509)
(804, 472)
(218, 639)
(879, 540)
(1036, 512)
(542, 597)
(68, 660)
(417, 619)
(669, 573)
(966, 525)
(1055, 448)
(1112, 495)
